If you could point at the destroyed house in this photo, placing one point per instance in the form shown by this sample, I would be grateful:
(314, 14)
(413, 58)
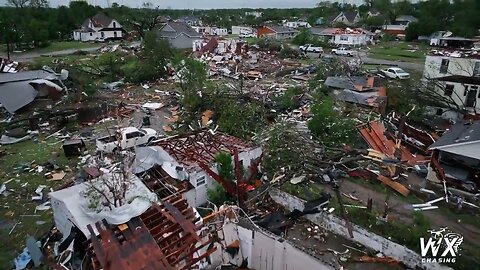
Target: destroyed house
(456, 157)
(179, 34)
(455, 75)
(167, 236)
(73, 210)
(184, 155)
(20, 89)
(365, 91)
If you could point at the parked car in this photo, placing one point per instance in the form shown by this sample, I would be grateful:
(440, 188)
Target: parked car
(343, 51)
(310, 48)
(395, 73)
(250, 35)
(126, 138)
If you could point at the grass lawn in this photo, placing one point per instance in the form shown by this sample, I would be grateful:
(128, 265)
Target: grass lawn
(399, 51)
(18, 207)
(66, 45)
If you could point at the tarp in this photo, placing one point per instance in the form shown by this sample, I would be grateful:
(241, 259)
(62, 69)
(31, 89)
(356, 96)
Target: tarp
(71, 207)
(148, 157)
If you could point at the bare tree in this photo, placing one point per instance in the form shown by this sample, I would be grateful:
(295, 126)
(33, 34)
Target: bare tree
(18, 3)
(145, 23)
(39, 3)
(435, 89)
(109, 190)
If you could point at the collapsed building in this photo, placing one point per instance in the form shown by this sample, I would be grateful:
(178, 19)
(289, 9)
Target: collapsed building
(455, 157)
(185, 159)
(21, 88)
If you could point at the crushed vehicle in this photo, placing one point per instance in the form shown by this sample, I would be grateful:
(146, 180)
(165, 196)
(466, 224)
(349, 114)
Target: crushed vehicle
(343, 51)
(125, 138)
(310, 48)
(395, 73)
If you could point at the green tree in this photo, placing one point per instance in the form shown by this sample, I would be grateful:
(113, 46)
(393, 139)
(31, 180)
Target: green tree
(225, 166)
(328, 125)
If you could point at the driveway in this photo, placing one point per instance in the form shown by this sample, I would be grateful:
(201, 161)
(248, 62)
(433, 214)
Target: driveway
(29, 56)
(373, 61)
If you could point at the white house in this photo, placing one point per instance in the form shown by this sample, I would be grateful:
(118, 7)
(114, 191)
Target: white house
(297, 24)
(256, 14)
(188, 151)
(242, 30)
(99, 27)
(457, 76)
(191, 20)
(211, 30)
(347, 37)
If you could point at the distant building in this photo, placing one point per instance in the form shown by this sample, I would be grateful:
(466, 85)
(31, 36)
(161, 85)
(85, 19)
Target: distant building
(345, 37)
(399, 26)
(100, 28)
(256, 14)
(373, 13)
(297, 24)
(319, 21)
(276, 32)
(211, 30)
(243, 30)
(180, 35)
(191, 20)
(346, 17)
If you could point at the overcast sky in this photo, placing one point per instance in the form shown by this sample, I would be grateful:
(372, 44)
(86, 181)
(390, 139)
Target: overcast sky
(208, 4)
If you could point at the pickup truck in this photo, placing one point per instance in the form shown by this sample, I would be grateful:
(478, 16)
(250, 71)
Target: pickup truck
(126, 138)
(343, 51)
(249, 35)
(310, 48)
(395, 73)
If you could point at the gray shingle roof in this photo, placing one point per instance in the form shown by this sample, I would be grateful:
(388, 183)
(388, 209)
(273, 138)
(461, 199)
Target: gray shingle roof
(99, 20)
(281, 29)
(178, 27)
(460, 133)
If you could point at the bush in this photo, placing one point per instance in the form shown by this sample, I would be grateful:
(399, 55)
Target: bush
(137, 72)
(288, 52)
(218, 195)
(288, 100)
(329, 126)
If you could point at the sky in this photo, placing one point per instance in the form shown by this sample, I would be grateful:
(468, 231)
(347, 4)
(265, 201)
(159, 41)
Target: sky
(208, 4)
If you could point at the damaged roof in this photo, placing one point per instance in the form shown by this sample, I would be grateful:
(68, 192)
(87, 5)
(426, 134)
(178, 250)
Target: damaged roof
(370, 98)
(99, 20)
(201, 146)
(20, 89)
(460, 134)
(357, 83)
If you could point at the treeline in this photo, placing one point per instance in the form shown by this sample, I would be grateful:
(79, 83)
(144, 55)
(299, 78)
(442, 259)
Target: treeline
(37, 25)
(458, 16)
